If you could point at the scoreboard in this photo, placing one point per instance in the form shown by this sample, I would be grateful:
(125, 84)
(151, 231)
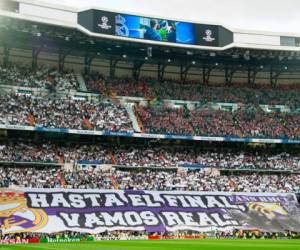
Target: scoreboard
(154, 29)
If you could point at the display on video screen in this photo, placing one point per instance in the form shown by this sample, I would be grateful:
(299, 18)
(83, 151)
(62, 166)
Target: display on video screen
(155, 29)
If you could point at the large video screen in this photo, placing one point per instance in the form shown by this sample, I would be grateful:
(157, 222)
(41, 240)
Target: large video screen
(155, 29)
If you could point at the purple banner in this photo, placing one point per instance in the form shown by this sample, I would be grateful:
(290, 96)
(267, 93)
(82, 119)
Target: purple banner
(94, 211)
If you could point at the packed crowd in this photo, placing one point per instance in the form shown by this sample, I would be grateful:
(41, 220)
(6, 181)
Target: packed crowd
(49, 78)
(247, 121)
(69, 236)
(30, 177)
(193, 91)
(159, 157)
(191, 181)
(143, 235)
(42, 77)
(222, 159)
(52, 153)
(62, 113)
(202, 180)
(30, 235)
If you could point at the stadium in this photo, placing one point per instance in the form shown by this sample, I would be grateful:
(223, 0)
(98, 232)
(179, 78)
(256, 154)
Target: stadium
(149, 127)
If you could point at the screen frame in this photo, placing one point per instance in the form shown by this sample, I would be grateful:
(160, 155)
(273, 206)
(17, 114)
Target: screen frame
(218, 45)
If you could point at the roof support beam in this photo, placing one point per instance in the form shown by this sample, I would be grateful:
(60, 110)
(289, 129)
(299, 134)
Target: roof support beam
(88, 59)
(61, 59)
(160, 71)
(206, 70)
(252, 73)
(6, 50)
(184, 69)
(112, 67)
(274, 75)
(35, 54)
(136, 70)
(229, 72)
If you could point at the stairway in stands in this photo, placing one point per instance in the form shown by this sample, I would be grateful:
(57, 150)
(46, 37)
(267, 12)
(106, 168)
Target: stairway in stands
(130, 111)
(81, 82)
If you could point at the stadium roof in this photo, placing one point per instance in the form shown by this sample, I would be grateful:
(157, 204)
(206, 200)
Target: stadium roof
(35, 27)
(29, 35)
(256, 15)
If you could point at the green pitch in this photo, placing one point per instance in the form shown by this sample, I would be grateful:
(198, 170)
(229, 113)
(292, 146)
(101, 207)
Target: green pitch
(165, 245)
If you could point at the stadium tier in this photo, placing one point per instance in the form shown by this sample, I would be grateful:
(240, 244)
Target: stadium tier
(64, 113)
(116, 126)
(38, 78)
(207, 180)
(245, 121)
(172, 89)
(149, 156)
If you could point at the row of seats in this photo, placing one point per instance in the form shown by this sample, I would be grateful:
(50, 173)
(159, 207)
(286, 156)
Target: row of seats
(45, 77)
(42, 77)
(63, 113)
(148, 180)
(193, 91)
(155, 156)
(247, 121)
